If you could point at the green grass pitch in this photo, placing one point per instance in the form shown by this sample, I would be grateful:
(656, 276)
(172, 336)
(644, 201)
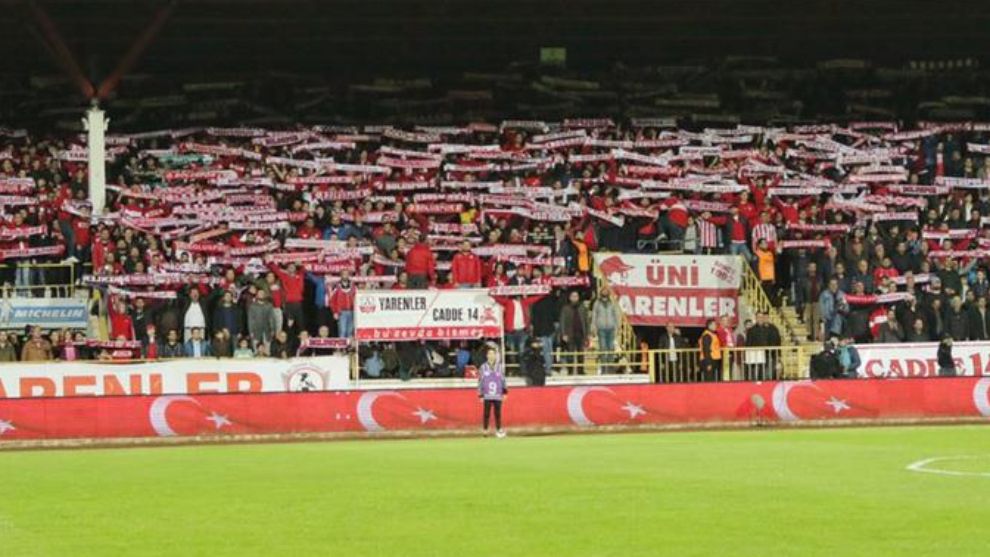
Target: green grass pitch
(840, 492)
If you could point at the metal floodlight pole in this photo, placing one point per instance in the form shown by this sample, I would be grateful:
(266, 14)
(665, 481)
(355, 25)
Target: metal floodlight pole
(95, 123)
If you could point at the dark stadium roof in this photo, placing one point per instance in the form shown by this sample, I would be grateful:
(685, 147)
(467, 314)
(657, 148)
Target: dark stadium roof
(216, 36)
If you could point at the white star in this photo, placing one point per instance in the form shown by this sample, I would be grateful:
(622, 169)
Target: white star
(424, 415)
(633, 409)
(838, 405)
(218, 420)
(6, 426)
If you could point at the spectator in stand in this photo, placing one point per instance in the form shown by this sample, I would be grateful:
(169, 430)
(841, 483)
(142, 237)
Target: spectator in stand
(979, 285)
(979, 320)
(545, 313)
(277, 298)
(956, 320)
(121, 324)
(918, 332)
(196, 346)
(673, 361)
(736, 232)
(36, 349)
(951, 276)
(849, 359)
(172, 347)
(243, 350)
(727, 339)
(760, 365)
(766, 270)
(194, 314)
(765, 231)
(582, 257)
(7, 351)
(292, 289)
(140, 319)
(281, 348)
(832, 303)
(863, 276)
(150, 344)
(168, 316)
(261, 320)
(890, 330)
(227, 315)
(710, 353)
(516, 312)
(689, 238)
(465, 269)
(421, 265)
(605, 321)
(574, 330)
(342, 305)
(220, 346)
(707, 234)
(321, 298)
(811, 291)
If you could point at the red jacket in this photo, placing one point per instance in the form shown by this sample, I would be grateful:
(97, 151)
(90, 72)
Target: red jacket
(420, 261)
(80, 229)
(465, 269)
(509, 315)
(342, 300)
(292, 285)
(121, 326)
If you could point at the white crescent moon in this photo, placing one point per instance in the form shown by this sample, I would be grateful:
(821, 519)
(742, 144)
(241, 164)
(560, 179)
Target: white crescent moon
(779, 399)
(575, 404)
(980, 396)
(365, 409)
(157, 414)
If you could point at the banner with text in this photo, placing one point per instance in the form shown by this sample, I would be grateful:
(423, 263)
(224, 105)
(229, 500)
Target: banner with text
(49, 313)
(397, 315)
(174, 377)
(920, 359)
(584, 406)
(684, 290)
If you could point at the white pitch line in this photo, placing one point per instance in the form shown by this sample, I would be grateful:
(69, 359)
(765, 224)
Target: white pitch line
(921, 466)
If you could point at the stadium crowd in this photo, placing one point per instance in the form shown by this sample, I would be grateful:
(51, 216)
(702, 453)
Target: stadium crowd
(245, 241)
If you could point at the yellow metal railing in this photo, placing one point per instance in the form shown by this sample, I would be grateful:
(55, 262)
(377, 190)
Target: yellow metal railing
(54, 280)
(737, 364)
(756, 297)
(683, 365)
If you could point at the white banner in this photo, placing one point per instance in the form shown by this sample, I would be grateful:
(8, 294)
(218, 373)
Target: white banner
(920, 359)
(49, 313)
(174, 377)
(683, 290)
(426, 314)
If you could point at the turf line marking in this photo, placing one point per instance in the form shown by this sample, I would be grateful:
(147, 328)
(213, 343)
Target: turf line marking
(922, 466)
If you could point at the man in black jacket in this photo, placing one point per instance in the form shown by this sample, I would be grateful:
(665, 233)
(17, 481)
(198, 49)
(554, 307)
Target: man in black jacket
(946, 364)
(533, 366)
(979, 320)
(762, 365)
(544, 315)
(674, 361)
(956, 320)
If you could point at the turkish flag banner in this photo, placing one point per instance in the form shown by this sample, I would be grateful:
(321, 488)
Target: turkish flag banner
(458, 409)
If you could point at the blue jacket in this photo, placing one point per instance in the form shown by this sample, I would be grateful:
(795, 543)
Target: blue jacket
(204, 349)
(319, 289)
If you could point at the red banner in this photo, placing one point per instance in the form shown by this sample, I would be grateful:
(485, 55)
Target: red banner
(684, 290)
(439, 409)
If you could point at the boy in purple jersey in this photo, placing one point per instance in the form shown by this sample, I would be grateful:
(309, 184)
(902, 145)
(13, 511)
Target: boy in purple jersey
(492, 390)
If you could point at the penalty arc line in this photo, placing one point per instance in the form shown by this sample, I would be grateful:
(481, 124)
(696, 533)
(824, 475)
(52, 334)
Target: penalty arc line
(921, 466)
